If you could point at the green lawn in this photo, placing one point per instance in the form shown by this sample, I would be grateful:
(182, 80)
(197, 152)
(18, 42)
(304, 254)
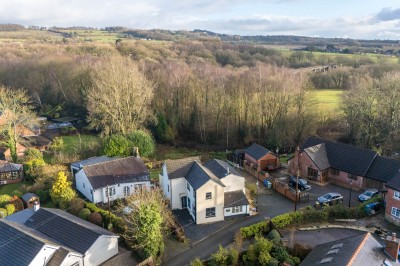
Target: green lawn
(8, 189)
(328, 100)
(79, 142)
(154, 173)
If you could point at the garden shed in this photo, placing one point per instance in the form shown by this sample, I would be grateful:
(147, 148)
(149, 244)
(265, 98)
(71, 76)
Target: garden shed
(29, 199)
(261, 157)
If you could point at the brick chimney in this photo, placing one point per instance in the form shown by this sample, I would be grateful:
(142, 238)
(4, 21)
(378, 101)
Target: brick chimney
(392, 245)
(136, 152)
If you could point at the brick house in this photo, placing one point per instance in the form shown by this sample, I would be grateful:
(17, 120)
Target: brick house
(345, 165)
(392, 211)
(261, 157)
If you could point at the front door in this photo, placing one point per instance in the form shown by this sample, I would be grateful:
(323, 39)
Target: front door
(184, 202)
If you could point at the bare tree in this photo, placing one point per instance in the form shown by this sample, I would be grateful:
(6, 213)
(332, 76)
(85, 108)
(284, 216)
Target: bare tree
(120, 99)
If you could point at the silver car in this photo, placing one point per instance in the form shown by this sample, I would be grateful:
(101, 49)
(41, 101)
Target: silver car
(330, 198)
(368, 194)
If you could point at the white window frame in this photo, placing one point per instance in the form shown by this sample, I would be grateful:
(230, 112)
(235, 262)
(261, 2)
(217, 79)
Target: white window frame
(395, 212)
(127, 191)
(110, 190)
(237, 209)
(396, 194)
(210, 213)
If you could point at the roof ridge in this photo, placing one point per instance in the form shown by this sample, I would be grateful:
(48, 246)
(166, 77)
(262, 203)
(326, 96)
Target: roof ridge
(109, 161)
(357, 251)
(210, 174)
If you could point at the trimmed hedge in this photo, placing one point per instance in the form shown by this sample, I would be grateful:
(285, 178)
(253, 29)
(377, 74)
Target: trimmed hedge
(10, 208)
(254, 230)
(84, 213)
(95, 218)
(117, 222)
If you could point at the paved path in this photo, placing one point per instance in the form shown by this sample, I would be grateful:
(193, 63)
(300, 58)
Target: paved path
(205, 248)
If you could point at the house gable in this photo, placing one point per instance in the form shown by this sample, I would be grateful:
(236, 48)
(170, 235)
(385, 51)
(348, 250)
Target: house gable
(256, 151)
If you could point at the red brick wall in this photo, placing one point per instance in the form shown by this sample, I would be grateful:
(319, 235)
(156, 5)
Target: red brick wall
(391, 202)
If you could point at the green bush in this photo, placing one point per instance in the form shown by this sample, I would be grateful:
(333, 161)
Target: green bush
(233, 256)
(10, 208)
(84, 213)
(287, 219)
(76, 205)
(274, 236)
(252, 187)
(42, 194)
(220, 257)
(196, 262)
(16, 193)
(116, 223)
(4, 199)
(95, 218)
(143, 141)
(117, 145)
(254, 230)
(3, 213)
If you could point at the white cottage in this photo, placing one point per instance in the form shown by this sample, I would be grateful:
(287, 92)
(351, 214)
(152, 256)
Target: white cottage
(210, 192)
(54, 237)
(103, 179)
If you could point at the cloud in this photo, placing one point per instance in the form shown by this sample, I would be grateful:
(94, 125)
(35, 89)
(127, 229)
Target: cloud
(387, 14)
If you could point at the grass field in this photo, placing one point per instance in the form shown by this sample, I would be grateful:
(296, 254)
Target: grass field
(95, 35)
(79, 142)
(8, 189)
(328, 100)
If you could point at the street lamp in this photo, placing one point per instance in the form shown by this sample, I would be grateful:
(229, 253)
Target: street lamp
(351, 182)
(297, 178)
(257, 196)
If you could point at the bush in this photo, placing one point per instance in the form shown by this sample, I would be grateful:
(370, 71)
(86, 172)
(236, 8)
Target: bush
(254, 230)
(252, 187)
(32, 154)
(84, 213)
(10, 208)
(287, 219)
(16, 193)
(3, 213)
(116, 223)
(117, 145)
(95, 218)
(76, 205)
(274, 236)
(233, 256)
(144, 141)
(220, 257)
(4, 199)
(57, 144)
(42, 195)
(196, 262)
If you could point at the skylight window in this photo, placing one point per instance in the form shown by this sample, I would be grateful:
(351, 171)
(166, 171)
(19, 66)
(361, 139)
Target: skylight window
(326, 260)
(337, 246)
(332, 251)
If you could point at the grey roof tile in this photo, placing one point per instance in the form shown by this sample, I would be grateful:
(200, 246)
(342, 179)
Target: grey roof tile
(257, 151)
(198, 175)
(318, 155)
(235, 198)
(93, 160)
(383, 169)
(117, 171)
(67, 229)
(9, 167)
(21, 217)
(27, 196)
(220, 168)
(180, 167)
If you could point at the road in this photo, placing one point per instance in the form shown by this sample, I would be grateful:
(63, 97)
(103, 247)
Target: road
(271, 204)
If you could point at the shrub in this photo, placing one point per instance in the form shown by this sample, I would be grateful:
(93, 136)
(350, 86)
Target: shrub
(95, 218)
(33, 154)
(238, 240)
(274, 236)
(252, 187)
(144, 141)
(42, 195)
(287, 219)
(16, 193)
(117, 145)
(300, 250)
(116, 223)
(84, 213)
(57, 144)
(3, 213)
(220, 257)
(196, 262)
(233, 256)
(75, 205)
(10, 208)
(4, 199)
(254, 230)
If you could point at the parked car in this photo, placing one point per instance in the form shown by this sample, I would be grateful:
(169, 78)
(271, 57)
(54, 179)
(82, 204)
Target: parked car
(302, 185)
(368, 194)
(330, 198)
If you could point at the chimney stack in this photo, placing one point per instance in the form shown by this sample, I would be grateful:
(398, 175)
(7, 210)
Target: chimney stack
(392, 245)
(36, 206)
(136, 152)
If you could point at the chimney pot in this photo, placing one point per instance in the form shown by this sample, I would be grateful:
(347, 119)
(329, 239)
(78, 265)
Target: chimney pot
(36, 206)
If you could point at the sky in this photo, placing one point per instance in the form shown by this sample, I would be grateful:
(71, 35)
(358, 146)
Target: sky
(357, 19)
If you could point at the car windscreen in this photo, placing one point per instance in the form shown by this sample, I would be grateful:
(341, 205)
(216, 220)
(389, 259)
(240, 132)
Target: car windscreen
(327, 196)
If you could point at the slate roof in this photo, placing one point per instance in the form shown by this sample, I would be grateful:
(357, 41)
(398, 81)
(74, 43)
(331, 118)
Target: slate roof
(35, 141)
(117, 171)
(93, 160)
(58, 257)
(17, 247)
(27, 196)
(67, 229)
(235, 198)
(318, 155)
(180, 167)
(394, 182)
(256, 151)
(220, 168)
(359, 250)
(9, 167)
(198, 175)
(21, 217)
(383, 169)
(344, 157)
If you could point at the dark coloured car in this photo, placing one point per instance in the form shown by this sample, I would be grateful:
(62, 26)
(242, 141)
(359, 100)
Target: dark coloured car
(330, 198)
(368, 194)
(302, 185)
